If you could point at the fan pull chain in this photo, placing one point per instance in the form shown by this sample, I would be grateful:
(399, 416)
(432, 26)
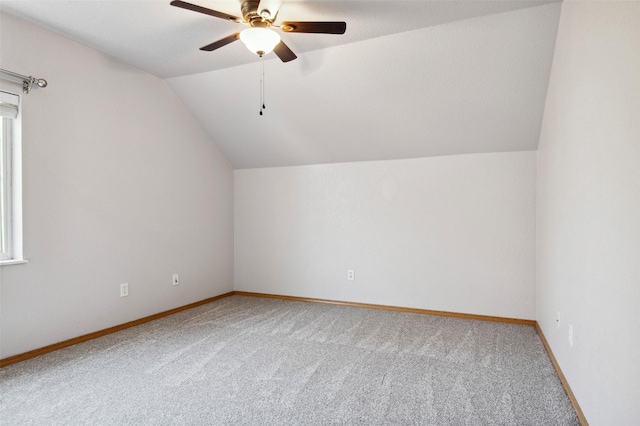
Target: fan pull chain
(262, 106)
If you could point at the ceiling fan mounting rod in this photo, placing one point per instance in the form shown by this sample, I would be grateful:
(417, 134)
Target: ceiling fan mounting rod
(250, 14)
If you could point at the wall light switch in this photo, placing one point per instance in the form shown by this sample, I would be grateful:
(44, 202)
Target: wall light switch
(176, 279)
(124, 289)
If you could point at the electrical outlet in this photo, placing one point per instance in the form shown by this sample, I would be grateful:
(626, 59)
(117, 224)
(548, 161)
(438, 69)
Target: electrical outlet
(558, 320)
(124, 289)
(570, 335)
(176, 279)
(351, 275)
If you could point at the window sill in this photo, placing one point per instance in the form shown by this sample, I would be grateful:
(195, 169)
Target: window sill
(13, 262)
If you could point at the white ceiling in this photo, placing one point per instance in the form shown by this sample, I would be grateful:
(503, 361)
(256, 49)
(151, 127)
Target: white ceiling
(407, 79)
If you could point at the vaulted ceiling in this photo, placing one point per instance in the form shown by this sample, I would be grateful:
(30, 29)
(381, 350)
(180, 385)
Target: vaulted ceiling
(408, 78)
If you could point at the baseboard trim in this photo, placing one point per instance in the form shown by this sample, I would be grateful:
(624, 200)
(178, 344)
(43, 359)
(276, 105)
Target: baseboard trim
(100, 333)
(563, 380)
(531, 323)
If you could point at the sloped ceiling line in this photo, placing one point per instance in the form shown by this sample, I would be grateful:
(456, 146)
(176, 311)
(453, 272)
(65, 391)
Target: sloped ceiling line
(408, 79)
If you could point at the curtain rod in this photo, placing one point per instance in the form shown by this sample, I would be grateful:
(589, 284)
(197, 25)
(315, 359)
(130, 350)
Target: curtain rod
(27, 81)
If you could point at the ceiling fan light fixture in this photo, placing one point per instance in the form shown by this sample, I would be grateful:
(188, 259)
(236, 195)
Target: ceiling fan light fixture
(259, 40)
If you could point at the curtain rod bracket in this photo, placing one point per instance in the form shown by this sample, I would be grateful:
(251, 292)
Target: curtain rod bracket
(26, 85)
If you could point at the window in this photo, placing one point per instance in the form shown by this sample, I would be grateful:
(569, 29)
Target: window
(5, 189)
(10, 176)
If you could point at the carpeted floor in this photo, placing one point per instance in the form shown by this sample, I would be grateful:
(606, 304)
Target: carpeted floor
(245, 360)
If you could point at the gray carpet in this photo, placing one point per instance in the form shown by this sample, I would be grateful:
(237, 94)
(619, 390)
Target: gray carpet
(245, 360)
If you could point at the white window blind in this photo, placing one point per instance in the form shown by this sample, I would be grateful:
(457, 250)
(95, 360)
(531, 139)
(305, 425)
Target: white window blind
(9, 105)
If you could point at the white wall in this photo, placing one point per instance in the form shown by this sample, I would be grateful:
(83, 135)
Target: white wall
(452, 233)
(589, 208)
(120, 185)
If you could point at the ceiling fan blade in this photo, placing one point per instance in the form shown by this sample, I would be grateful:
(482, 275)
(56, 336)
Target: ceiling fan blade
(272, 6)
(222, 42)
(283, 52)
(200, 9)
(314, 27)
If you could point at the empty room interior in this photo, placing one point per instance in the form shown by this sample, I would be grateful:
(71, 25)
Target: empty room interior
(444, 163)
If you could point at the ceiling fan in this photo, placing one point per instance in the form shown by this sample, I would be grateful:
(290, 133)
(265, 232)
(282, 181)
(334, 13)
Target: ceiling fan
(260, 15)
